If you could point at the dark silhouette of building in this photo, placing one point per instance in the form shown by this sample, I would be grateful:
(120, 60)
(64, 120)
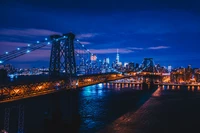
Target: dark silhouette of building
(3, 75)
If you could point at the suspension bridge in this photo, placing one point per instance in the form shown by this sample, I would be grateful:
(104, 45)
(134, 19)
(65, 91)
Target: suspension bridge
(69, 68)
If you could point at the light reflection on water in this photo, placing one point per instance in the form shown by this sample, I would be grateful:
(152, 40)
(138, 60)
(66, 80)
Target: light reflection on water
(101, 104)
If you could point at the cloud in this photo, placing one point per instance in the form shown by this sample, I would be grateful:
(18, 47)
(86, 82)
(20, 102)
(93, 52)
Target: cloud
(9, 46)
(85, 43)
(17, 44)
(135, 48)
(158, 47)
(36, 55)
(27, 32)
(86, 35)
(111, 50)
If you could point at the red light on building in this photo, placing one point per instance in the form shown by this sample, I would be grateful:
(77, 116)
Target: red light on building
(93, 57)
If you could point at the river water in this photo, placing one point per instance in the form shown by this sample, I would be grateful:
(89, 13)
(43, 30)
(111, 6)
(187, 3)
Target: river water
(98, 106)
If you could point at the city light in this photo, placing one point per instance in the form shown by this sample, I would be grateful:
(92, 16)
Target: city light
(48, 43)
(46, 39)
(28, 51)
(38, 41)
(1, 61)
(29, 45)
(100, 85)
(82, 45)
(77, 40)
(6, 52)
(18, 48)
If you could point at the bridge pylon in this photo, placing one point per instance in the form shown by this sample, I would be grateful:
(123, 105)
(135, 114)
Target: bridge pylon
(20, 118)
(62, 59)
(148, 65)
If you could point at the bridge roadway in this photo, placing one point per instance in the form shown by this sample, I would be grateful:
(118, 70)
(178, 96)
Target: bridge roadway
(17, 91)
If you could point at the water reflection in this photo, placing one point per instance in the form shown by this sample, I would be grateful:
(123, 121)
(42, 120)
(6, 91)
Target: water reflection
(157, 93)
(96, 90)
(103, 103)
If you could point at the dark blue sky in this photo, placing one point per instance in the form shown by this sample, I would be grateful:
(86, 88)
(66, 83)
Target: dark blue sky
(167, 30)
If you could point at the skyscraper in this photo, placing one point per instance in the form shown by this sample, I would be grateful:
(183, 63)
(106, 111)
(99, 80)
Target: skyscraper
(107, 61)
(169, 69)
(117, 57)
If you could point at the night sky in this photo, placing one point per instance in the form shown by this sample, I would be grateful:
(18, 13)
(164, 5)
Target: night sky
(166, 30)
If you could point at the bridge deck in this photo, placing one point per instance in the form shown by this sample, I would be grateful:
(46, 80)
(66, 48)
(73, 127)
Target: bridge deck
(22, 91)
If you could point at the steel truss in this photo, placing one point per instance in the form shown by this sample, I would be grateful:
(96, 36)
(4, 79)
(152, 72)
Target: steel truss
(14, 92)
(7, 119)
(20, 118)
(62, 60)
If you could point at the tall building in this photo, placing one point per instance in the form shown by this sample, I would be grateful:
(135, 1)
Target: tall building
(107, 61)
(9, 68)
(125, 64)
(169, 69)
(188, 73)
(131, 66)
(117, 57)
(136, 65)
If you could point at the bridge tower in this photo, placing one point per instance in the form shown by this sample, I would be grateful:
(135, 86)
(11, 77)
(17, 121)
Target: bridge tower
(148, 65)
(20, 118)
(62, 59)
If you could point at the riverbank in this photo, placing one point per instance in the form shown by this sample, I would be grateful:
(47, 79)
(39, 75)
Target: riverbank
(166, 111)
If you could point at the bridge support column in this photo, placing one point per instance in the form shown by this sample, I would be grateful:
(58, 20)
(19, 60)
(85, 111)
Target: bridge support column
(7, 118)
(65, 115)
(144, 79)
(145, 85)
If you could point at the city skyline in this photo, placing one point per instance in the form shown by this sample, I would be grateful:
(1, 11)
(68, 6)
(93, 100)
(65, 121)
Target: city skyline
(164, 31)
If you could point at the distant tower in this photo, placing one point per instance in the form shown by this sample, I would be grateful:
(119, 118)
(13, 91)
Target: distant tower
(117, 57)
